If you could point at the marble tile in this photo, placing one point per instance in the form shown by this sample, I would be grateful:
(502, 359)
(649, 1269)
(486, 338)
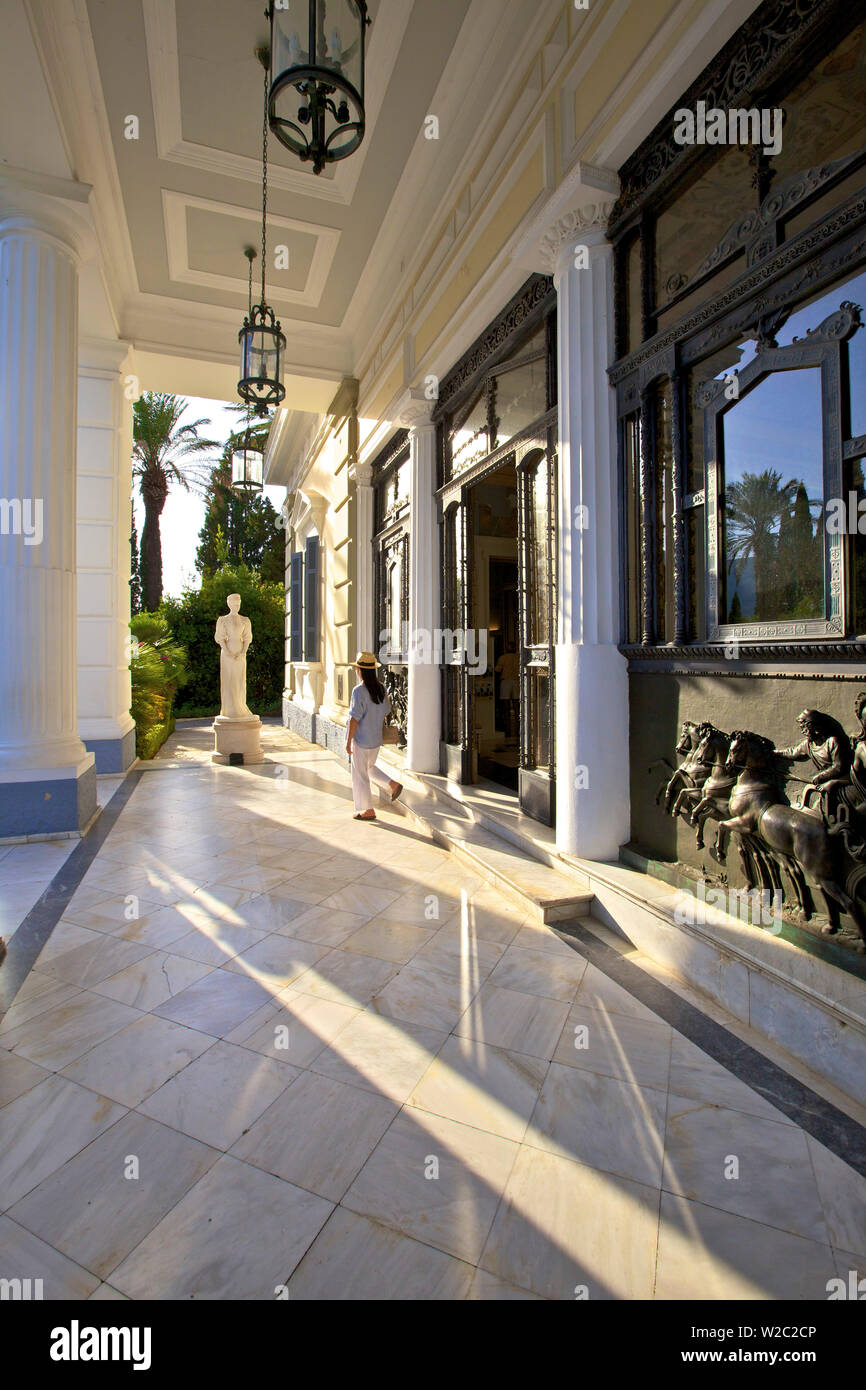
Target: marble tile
(254, 878)
(162, 927)
(237, 1234)
(215, 1004)
(388, 940)
(220, 1094)
(380, 1055)
(45, 1127)
(563, 1228)
(37, 995)
(152, 980)
(24, 1256)
(138, 1060)
(216, 942)
(602, 1122)
(775, 1185)
(317, 1134)
(632, 1049)
(66, 936)
(598, 991)
(427, 908)
(539, 972)
(323, 924)
(487, 1287)
(271, 914)
(96, 1214)
(455, 950)
(483, 1086)
(59, 1035)
(18, 1076)
(347, 978)
(297, 1032)
(106, 1294)
(361, 898)
(452, 1211)
(354, 1258)
(538, 936)
(515, 1021)
(843, 1198)
(696, 1076)
(709, 1254)
(277, 961)
(426, 996)
(93, 962)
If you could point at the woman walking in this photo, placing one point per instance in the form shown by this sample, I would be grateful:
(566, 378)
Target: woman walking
(368, 711)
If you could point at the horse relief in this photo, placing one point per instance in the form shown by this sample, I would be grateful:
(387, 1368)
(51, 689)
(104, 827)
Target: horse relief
(739, 780)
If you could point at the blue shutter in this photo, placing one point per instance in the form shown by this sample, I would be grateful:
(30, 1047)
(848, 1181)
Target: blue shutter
(296, 609)
(311, 601)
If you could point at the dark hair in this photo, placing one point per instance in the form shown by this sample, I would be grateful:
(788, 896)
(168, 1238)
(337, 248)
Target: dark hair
(373, 684)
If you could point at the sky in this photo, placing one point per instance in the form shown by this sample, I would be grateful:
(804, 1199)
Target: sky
(183, 516)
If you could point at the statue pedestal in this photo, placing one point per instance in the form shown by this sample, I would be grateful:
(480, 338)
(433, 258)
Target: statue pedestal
(237, 739)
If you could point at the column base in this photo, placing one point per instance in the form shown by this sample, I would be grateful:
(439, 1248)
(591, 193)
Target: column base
(58, 800)
(113, 754)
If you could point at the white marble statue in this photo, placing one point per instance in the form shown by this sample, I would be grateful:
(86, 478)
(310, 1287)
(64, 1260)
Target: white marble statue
(234, 634)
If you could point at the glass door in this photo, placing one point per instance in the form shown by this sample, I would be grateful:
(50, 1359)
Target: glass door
(537, 569)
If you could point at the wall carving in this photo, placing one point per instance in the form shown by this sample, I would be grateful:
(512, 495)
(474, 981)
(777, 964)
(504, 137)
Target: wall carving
(738, 780)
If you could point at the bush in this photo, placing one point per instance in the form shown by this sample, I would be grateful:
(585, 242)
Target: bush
(191, 620)
(159, 667)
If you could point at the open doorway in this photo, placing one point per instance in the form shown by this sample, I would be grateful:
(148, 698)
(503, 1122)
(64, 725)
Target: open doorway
(496, 610)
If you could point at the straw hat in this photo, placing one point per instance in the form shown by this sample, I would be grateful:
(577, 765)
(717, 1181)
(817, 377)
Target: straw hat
(366, 660)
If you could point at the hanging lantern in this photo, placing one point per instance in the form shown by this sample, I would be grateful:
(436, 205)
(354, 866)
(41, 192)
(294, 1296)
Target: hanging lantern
(261, 338)
(316, 103)
(248, 467)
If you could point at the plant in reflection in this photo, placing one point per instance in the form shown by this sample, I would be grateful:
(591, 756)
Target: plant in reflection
(754, 507)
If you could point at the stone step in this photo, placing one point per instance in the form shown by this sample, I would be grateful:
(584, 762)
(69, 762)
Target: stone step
(548, 895)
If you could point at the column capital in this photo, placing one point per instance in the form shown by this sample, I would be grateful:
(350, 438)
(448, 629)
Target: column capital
(578, 211)
(361, 474)
(54, 209)
(413, 410)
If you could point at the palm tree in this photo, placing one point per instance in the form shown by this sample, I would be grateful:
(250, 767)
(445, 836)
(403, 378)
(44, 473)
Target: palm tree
(161, 453)
(754, 507)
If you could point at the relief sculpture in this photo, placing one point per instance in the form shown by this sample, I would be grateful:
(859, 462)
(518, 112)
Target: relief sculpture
(739, 781)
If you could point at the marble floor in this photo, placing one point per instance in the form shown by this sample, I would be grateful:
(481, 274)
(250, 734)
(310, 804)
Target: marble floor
(268, 1050)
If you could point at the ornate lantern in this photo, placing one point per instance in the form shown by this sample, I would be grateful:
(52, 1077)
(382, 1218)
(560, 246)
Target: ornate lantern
(261, 338)
(248, 467)
(316, 103)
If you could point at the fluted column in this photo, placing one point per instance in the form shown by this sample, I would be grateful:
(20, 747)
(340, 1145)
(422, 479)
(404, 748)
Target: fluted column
(425, 698)
(47, 779)
(592, 718)
(362, 476)
(104, 520)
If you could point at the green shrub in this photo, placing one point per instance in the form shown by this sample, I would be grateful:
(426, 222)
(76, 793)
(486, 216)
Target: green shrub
(159, 668)
(191, 620)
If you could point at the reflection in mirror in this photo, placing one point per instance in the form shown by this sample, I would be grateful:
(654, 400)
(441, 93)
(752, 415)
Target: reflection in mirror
(773, 499)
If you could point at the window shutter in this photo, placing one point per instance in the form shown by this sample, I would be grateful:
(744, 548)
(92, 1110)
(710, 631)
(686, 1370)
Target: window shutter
(311, 601)
(296, 651)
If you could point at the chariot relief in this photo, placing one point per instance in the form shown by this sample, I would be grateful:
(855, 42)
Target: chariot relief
(738, 780)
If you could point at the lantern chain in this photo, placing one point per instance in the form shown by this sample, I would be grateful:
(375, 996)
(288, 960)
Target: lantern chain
(265, 182)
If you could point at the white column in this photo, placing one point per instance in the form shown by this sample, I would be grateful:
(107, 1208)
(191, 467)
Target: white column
(367, 640)
(47, 779)
(592, 710)
(425, 699)
(104, 486)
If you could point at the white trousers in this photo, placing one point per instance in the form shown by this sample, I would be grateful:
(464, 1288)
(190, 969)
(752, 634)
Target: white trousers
(364, 770)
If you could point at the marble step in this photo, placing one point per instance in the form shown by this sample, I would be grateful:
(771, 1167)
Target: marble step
(550, 896)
